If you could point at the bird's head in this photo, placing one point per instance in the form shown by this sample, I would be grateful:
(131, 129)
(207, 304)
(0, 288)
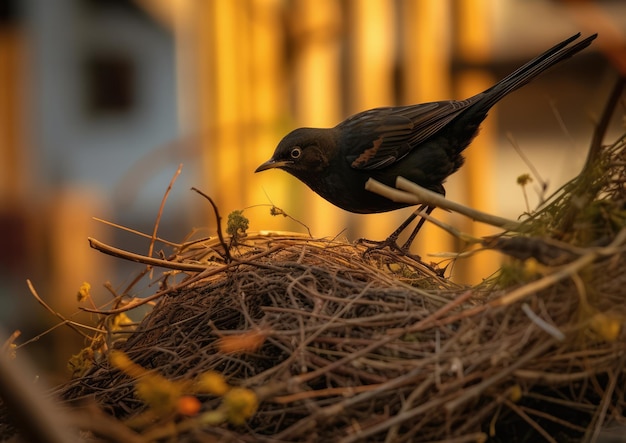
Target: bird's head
(303, 152)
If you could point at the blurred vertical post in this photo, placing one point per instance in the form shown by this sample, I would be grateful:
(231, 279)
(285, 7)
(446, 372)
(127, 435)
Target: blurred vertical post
(20, 225)
(12, 152)
(426, 56)
(267, 94)
(218, 51)
(17, 236)
(475, 49)
(232, 52)
(316, 27)
(222, 32)
(372, 41)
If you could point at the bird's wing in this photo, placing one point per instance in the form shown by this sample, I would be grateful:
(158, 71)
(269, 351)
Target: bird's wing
(380, 137)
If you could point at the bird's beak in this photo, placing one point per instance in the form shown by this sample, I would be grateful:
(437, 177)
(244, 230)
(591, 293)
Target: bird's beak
(272, 164)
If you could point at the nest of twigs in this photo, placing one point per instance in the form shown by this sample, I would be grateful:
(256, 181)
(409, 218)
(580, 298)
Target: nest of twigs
(379, 349)
(336, 345)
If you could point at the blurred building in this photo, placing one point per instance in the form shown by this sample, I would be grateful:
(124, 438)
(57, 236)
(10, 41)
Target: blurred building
(101, 100)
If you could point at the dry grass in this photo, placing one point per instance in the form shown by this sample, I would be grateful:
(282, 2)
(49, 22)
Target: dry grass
(355, 351)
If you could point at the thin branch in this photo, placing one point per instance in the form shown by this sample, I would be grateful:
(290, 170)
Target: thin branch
(65, 321)
(603, 124)
(160, 213)
(134, 231)
(138, 258)
(218, 220)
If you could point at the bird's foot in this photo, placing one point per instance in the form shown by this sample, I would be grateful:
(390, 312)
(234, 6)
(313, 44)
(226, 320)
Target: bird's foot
(374, 245)
(391, 243)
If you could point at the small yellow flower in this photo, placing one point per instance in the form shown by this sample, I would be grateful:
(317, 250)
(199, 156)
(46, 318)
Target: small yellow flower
(80, 363)
(84, 292)
(119, 322)
(161, 394)
(239, 405)
(120, 360)
(606, 326)
(515, 393)
(212, 383)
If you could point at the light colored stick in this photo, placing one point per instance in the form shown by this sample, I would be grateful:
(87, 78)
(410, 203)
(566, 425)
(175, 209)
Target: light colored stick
(409, 192)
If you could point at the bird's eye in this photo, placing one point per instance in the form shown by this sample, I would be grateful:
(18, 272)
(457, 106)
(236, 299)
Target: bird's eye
(296, 152)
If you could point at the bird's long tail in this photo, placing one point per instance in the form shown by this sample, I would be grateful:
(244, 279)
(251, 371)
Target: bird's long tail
(530, 70)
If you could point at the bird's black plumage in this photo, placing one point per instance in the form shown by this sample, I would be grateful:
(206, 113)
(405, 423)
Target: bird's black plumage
(422, 143)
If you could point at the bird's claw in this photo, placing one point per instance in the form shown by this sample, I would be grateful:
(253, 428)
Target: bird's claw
(390, 242)
(373, 245)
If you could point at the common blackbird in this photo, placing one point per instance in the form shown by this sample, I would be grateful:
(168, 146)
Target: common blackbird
(422, 143)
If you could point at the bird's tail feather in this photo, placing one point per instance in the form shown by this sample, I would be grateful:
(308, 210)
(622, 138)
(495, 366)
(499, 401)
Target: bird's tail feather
(532, 69)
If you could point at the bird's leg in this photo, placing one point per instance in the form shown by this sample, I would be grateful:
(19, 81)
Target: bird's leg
(391, 241)
(428, 209)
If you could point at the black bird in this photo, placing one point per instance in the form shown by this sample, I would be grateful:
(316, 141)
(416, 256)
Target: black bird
(422, 143)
